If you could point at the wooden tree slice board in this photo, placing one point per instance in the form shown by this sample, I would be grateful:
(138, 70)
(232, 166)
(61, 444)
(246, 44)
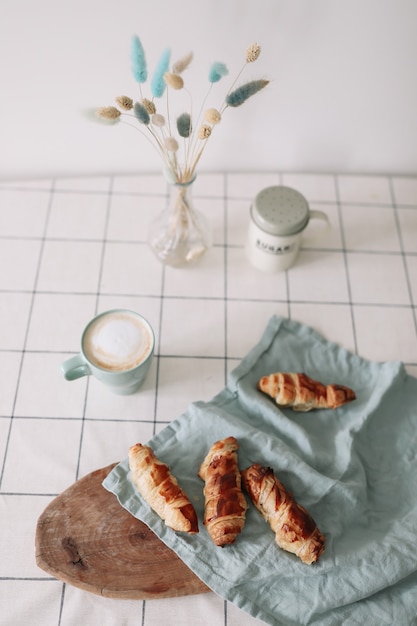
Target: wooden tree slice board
(85, 538)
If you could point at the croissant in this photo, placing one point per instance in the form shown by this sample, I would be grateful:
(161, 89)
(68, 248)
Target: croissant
(225, 504)
(160, 489)
(294, 528)
(302, 393)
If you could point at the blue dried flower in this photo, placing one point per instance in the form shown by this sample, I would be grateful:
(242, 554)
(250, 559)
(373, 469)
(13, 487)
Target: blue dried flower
(141, 113)
(138, 61)
(242, 93)
(158, 83)
(184, 125)
(217, 71)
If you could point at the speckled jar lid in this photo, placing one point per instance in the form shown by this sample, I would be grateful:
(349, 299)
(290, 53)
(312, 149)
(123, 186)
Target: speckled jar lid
(280, 210)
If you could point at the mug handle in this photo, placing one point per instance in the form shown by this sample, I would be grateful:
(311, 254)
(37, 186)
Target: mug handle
(75, 367)
(314, 213)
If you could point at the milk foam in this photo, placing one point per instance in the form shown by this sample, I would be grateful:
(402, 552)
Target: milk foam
(117, 341)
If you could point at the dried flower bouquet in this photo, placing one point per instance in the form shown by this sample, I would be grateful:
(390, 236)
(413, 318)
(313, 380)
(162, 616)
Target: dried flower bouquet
(179, 139)
(158, 126)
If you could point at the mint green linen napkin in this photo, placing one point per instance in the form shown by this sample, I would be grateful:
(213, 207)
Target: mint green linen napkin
(354, 469)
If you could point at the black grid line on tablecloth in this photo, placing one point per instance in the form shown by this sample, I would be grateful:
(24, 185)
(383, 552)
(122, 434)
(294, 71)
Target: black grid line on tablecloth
(403, 254)
(27, 330)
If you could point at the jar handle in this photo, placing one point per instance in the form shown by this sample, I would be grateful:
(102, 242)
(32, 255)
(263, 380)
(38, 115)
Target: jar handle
(316, 214)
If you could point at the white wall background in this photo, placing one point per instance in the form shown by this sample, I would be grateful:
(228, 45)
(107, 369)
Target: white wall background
(343, 92)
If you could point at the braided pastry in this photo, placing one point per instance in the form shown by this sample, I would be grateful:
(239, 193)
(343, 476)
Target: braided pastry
(294, 528)
(225, 504)
(160, 489)
(302, 393)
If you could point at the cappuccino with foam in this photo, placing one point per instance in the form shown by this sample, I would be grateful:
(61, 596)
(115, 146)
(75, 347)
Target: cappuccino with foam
(116, 348)
(117, 341)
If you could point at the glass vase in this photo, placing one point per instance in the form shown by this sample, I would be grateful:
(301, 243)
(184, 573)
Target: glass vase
(180, 235)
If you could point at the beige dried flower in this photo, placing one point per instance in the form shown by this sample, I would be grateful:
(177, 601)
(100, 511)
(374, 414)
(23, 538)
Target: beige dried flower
(212, 116)
(125, 102)
(173, 80)
(108, 113)
(149, 106)
(182, 63)
(158, 120)
(204, 131)
(171, 144)
(253, 52)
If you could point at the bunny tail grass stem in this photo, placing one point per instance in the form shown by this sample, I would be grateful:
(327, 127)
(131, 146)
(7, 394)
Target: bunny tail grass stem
(168, 112)
(187, 144)
(158, 147)
(138, 60)
(239, 96)
(197, 150)
(196, 123)
(224, 104)
(217, 71)
(184, 130)
(158, 84)
(198, 156)
(203, 104)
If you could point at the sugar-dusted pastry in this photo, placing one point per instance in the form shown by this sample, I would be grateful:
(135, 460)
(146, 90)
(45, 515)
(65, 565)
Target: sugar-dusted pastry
(160, 489)
(302, 393)
(294, 528)
(225, 504)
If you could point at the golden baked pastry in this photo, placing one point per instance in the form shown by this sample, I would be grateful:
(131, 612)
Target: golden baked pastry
(160, 489)
(225, 504)
(294, 528)
(302, 393)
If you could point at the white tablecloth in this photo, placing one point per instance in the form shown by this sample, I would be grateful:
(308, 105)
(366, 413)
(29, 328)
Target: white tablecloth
(72, 247)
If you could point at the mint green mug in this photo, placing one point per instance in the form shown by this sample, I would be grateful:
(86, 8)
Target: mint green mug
(117, 348)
